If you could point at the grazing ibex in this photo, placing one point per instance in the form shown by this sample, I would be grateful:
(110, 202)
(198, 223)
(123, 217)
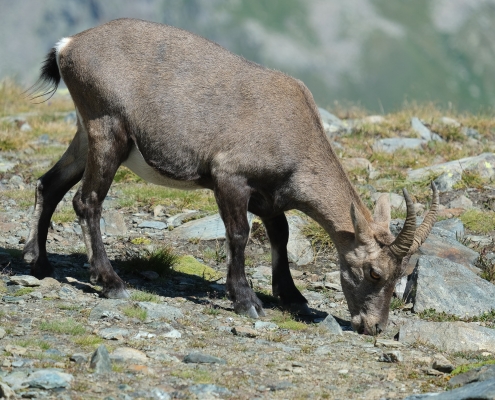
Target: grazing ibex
(181, 111)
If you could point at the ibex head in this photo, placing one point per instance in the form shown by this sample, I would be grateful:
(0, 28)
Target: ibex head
(375, 261)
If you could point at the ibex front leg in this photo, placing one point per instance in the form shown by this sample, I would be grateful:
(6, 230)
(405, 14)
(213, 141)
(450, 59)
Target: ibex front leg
(232, 195)
(283, 285)
(108, 147)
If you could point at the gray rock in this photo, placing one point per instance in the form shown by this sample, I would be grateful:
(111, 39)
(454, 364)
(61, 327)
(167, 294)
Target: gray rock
(265, 325)
(178, 219)
(127, 355)
(78, 358)
(446, 181)
(49, 379)
(396, 201)
(391, 145)
(113, 223)
(440, 363)
(299, 249)
(200, 358)
(418, 127)
(70, 118)
(448, 336)
(113, 333)
(484, 165)
(393, 356)
(479, 374)
(461, 202)
(450, 122)
(332, 124)
(480, 391)
(16, 379)
(440, 284)
(2, 333)
(159, 394)
(6, 166)
(153, 225)
(160, 311)
(330, 325)
(208, 390)
(108, 309)
(351, 164)
(6, 392)
(208, 228)
(453, 225)
(470, 132)
(100, 360)
(25, 280)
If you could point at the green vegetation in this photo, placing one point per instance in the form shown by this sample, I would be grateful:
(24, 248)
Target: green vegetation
(286, 320)
(467, 367)
(470, 179)
(134, 311)
(64, 214)
(197, 375)
(190, 266)
(66, 326)
(23, 291)
(89, 341)
(32, 343)
(432, 315)
(160, 261)
(479, 221)
(396, 303)
(141, 241)
(141, 295)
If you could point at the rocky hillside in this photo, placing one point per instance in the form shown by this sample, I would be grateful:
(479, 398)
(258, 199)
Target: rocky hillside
(178, 337)
(373, 52)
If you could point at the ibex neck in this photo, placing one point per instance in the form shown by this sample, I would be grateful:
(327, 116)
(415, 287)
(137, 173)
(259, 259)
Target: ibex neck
(328, 198)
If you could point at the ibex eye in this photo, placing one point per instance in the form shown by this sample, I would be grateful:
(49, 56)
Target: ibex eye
(374, 275)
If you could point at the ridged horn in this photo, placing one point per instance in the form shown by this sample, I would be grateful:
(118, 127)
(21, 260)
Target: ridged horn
(425, 228)
(404, 240)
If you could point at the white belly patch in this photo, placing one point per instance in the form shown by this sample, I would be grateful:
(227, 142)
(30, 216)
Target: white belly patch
(136, 163)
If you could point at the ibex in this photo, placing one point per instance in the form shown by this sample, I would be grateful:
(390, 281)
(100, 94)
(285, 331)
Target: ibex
(182, 111)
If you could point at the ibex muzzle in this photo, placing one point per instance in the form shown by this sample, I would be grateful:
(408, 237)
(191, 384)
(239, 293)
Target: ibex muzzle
(182, 111)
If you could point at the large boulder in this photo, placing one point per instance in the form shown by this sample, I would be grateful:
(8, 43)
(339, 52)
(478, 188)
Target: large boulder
(437, 283)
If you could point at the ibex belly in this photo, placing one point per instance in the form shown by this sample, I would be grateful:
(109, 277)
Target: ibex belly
(137, 164)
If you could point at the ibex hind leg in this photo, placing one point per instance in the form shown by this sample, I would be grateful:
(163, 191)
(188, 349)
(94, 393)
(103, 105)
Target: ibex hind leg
(232, 195)
(107, 149)
(50, 189)
(283, 285)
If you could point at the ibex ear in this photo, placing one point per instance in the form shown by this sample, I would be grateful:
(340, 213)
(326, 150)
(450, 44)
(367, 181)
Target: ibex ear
(382, 211)
(362, 229)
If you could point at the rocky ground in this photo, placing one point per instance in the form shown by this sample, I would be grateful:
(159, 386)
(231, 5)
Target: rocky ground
(178, 337)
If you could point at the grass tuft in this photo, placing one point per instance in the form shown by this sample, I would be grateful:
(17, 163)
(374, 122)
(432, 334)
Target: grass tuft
(160, 261)
(479, 221)
(67, 326)
(133, 311)
(139, 295)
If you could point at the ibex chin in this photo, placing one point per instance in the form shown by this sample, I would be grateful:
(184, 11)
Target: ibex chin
(183, 112)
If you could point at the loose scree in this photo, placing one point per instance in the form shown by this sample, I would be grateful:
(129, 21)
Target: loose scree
(182, 111)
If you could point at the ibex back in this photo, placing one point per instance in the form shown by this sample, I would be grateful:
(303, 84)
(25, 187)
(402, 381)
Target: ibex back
(182, 111)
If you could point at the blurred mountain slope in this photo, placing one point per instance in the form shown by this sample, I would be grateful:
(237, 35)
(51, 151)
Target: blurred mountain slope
(374, 52)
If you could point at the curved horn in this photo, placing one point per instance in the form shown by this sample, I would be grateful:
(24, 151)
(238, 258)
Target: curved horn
(404, 240)
(425, 228)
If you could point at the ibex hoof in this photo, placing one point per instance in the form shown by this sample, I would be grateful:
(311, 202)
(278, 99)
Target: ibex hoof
(116, 294)
(300, 309)
(252, 313)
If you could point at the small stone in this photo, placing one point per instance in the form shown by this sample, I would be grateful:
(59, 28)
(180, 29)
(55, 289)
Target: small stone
(15, 350)
(461, 202)
(113, 333)
(128, 354)
(25, 280)
(6, 392)
(200, 358)
(388, 343)
(265, 325)
(440, 363)
(153, 225)
(209, 391)
(78, 358)
(330, 325)
(244, 331)
(394, 356)
(2, 333)
(343, 371)
(49, 379)
(100, 360)
(172, 334)
(159, 211)
(284, 385)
